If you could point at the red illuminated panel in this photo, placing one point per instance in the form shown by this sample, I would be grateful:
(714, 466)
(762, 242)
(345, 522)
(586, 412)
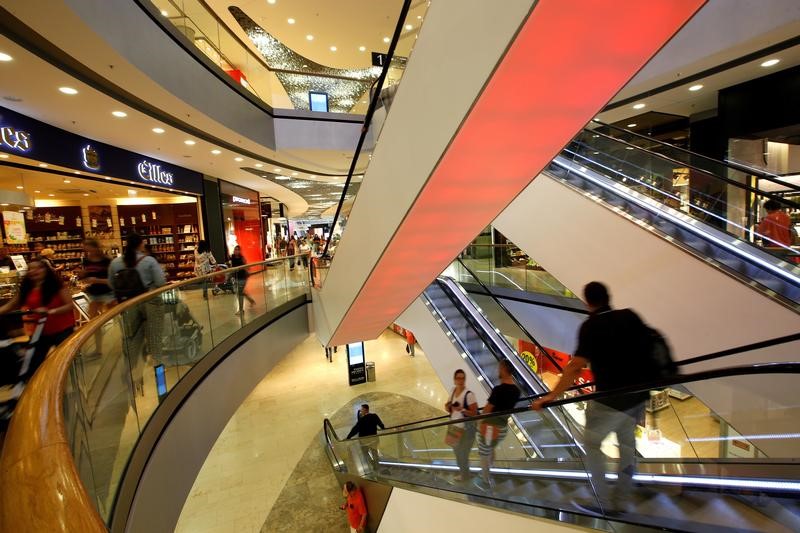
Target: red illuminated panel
(567, 62)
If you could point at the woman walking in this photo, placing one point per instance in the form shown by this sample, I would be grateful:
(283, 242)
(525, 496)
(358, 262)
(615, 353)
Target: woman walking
(204, 263)
(94, 273)
(241, 275)
(461, 436)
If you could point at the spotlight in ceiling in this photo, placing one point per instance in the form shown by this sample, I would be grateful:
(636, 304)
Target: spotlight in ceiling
(3, 156)
(632, 125)
(259, 165)
(291, 21)
(51, 194)
(276, 169)
(158, 130)
(132, 192)
(639, 106)
(282, 178)
(67, 181)
(164, 13)
(271, 2)
(20, 187)
(86, 194)
(77, 172)
(43, 165)
(386, 40)
(216, 152)
(409, 27)
(695, 88)
(770, 63)
(309, 37)
(5, 57)
(238, 159)
(362, 48)
(189, 142)
(294, 173)
(333, 48)
(119, 114)
(38, 192)
(68, 90)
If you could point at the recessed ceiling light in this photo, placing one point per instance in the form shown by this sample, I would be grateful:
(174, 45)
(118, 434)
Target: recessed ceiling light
(386, 40)
(164, 13)
(76, 172)
(294, 173)
(158, 130)
(333, 49)
(276, 169)
(632, 125)
(68, 90)
(51, 194)
(362, 48)
(5, 57)
(639, 105)
(119, 114)
(43, 165)
(3, 156)
(309, 37)
(238, 159)
(271, 2)
(409, 27)
(132, 192)
(419, 17)
(282, 178)
(770, 62)
(291, 21)
(189, 142)
(85, 194)
(20, 187)
(67, 181)
(37, 192)
(697, 87)
(259, 165)
(216, 152)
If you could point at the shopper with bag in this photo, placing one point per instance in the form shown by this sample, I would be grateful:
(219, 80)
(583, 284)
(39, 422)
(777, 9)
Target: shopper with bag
(461, 436)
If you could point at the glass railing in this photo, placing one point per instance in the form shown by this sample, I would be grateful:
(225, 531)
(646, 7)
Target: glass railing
(655, 455)
(135, 357)
(277, 75)
(713, 192)
(382, 94)
(505, 266)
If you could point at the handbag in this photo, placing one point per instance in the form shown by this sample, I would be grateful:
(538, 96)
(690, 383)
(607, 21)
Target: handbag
(453, 436)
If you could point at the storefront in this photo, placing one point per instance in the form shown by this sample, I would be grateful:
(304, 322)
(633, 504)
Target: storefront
(58, 188)
(241, 214)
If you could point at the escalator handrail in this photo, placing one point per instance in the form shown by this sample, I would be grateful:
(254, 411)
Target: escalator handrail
(746, 370)
(741, 168)
(373, 105)
(728, 181)
(513, 318)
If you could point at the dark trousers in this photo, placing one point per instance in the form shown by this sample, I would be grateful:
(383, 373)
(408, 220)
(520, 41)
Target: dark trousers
(463, 449)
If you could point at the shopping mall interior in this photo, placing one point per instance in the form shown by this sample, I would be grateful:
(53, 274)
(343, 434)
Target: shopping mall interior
(233, 233)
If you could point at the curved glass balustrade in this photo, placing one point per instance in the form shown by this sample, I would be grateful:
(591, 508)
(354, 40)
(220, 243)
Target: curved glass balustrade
(698, 465)
(134, 357)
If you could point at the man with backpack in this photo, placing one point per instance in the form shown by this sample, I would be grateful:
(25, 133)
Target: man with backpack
(622, 352)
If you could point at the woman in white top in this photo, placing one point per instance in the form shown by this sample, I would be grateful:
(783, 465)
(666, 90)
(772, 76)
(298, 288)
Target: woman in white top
(204, 263)
(461, 436)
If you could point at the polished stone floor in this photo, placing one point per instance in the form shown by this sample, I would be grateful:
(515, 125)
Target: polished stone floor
(276, 429)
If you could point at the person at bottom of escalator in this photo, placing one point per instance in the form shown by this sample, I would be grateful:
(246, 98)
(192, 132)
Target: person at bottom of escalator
(493, 430)
(411, 343)
(611, 341)
(461, 436)
(367, 430)
(355, 506)
(240, 276)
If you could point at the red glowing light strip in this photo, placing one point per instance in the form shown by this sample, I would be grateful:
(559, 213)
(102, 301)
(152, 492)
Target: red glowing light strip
(568, 60)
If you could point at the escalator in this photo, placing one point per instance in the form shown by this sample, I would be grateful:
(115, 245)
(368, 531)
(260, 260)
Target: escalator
(483, 346)
(695, 473)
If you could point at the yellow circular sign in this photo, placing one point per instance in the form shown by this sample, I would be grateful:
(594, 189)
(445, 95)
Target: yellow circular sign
(531, 360)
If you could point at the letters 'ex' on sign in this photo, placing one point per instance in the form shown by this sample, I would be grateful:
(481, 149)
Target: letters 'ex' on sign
(378, 59)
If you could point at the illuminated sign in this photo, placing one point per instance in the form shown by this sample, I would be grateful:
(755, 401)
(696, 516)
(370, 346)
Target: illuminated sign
(153, 173)
(91, 159)
(240, 200)
(15, 139)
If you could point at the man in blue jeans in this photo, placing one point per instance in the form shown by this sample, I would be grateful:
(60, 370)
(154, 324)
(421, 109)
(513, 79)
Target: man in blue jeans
(610, 341)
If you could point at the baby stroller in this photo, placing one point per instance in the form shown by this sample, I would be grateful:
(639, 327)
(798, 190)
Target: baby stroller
(183, 335)
(223, 283)
(16, 353)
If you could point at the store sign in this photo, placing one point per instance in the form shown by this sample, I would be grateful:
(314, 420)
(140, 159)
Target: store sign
(240, 200)
(91, 159)
(15, 139)
(153, 173)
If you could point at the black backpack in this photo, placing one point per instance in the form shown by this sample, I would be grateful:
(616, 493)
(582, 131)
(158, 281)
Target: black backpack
(657, 356)
(128, 283)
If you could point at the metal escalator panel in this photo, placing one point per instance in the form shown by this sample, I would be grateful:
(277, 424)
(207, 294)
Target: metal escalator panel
(713, 208)
(694, 472)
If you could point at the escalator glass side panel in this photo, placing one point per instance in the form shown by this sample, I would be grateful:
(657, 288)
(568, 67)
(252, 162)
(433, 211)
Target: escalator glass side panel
(658, 458)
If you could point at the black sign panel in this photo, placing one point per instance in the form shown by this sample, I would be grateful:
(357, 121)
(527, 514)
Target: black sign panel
(378, 59)
(27, 137)
(356, 364)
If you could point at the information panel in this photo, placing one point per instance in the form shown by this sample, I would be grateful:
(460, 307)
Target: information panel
(356, 367)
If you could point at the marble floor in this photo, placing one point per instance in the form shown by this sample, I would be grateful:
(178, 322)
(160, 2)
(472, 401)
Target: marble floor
(265, 440)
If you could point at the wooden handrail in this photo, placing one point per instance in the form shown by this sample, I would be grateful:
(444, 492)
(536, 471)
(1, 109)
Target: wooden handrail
(40, 487)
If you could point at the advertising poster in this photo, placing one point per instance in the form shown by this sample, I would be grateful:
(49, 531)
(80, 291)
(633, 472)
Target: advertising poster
(14, 224)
